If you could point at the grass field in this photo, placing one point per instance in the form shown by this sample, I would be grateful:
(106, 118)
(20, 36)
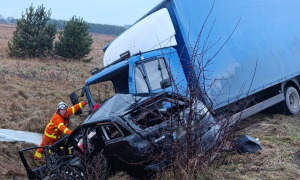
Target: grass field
(31, 89)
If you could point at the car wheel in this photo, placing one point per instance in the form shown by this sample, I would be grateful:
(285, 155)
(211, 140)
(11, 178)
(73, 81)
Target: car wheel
(291, 105)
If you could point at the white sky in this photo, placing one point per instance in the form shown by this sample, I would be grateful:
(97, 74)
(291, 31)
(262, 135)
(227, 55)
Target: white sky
(114, 12)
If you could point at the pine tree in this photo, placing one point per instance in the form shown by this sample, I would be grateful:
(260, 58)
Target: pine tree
(32, 37)
(74, 41)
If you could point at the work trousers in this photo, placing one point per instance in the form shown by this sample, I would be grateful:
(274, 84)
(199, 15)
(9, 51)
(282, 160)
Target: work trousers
(45, 142)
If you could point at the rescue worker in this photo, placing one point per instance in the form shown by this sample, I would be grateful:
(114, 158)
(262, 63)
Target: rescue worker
(57, 126)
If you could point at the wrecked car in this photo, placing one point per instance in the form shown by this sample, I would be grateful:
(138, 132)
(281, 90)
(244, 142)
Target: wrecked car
(133, 130)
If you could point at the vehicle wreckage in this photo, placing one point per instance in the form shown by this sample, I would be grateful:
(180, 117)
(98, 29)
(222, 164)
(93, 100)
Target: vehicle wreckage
(130, 129)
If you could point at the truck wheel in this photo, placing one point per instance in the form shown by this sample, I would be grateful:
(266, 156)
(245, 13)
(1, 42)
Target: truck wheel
(291, 105)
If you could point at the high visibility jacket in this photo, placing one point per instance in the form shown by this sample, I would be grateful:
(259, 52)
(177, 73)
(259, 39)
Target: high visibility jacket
(58, 123)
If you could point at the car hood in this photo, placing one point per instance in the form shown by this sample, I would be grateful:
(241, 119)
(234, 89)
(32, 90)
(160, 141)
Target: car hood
(117, 105)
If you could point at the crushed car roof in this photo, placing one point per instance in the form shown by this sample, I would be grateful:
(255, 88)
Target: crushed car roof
(117, 104)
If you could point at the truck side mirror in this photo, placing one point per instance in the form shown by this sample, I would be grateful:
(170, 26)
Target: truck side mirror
(165, 83)
(74, 100)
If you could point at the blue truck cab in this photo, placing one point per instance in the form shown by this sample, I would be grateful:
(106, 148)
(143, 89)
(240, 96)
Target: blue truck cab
(240, 57)
(142, 73)
(145, 65)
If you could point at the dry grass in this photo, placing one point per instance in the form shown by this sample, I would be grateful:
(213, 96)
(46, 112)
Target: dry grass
(6, 32)
(30, 91)
(279, 159)
(10, 165)
(31, 88)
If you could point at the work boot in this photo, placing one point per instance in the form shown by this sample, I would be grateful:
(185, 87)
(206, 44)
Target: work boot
(37, 162)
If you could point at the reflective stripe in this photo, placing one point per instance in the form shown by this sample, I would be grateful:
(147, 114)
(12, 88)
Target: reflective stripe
(70, 151)
(73, 109)
(55, 129)
(50, 123)
(60, 125)
(37, 154)
(80, 105)
(66, 130)
(51, 136)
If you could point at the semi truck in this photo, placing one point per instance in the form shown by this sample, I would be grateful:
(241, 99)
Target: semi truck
(240, 57)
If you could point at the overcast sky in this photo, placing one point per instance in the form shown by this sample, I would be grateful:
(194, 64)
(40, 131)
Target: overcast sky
(114, 12)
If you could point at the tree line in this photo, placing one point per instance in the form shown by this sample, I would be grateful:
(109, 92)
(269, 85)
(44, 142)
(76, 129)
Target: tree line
(93, 28)
(8, 20)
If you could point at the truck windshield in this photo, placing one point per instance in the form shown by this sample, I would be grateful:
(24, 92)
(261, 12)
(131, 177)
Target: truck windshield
(101, 91)
(149, 74)
(110, 83)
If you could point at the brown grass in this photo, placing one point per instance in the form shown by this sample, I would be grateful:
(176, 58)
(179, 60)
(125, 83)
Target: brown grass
(6, 32)
(279, 160)
(31, 89)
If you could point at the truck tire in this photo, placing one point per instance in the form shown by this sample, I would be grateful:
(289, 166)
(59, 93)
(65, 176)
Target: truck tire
(291, 105)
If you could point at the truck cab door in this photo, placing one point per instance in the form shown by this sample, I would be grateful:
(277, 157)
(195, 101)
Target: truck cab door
(152, 71)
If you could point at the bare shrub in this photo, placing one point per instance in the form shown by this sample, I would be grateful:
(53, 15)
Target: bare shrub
(192, 153)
